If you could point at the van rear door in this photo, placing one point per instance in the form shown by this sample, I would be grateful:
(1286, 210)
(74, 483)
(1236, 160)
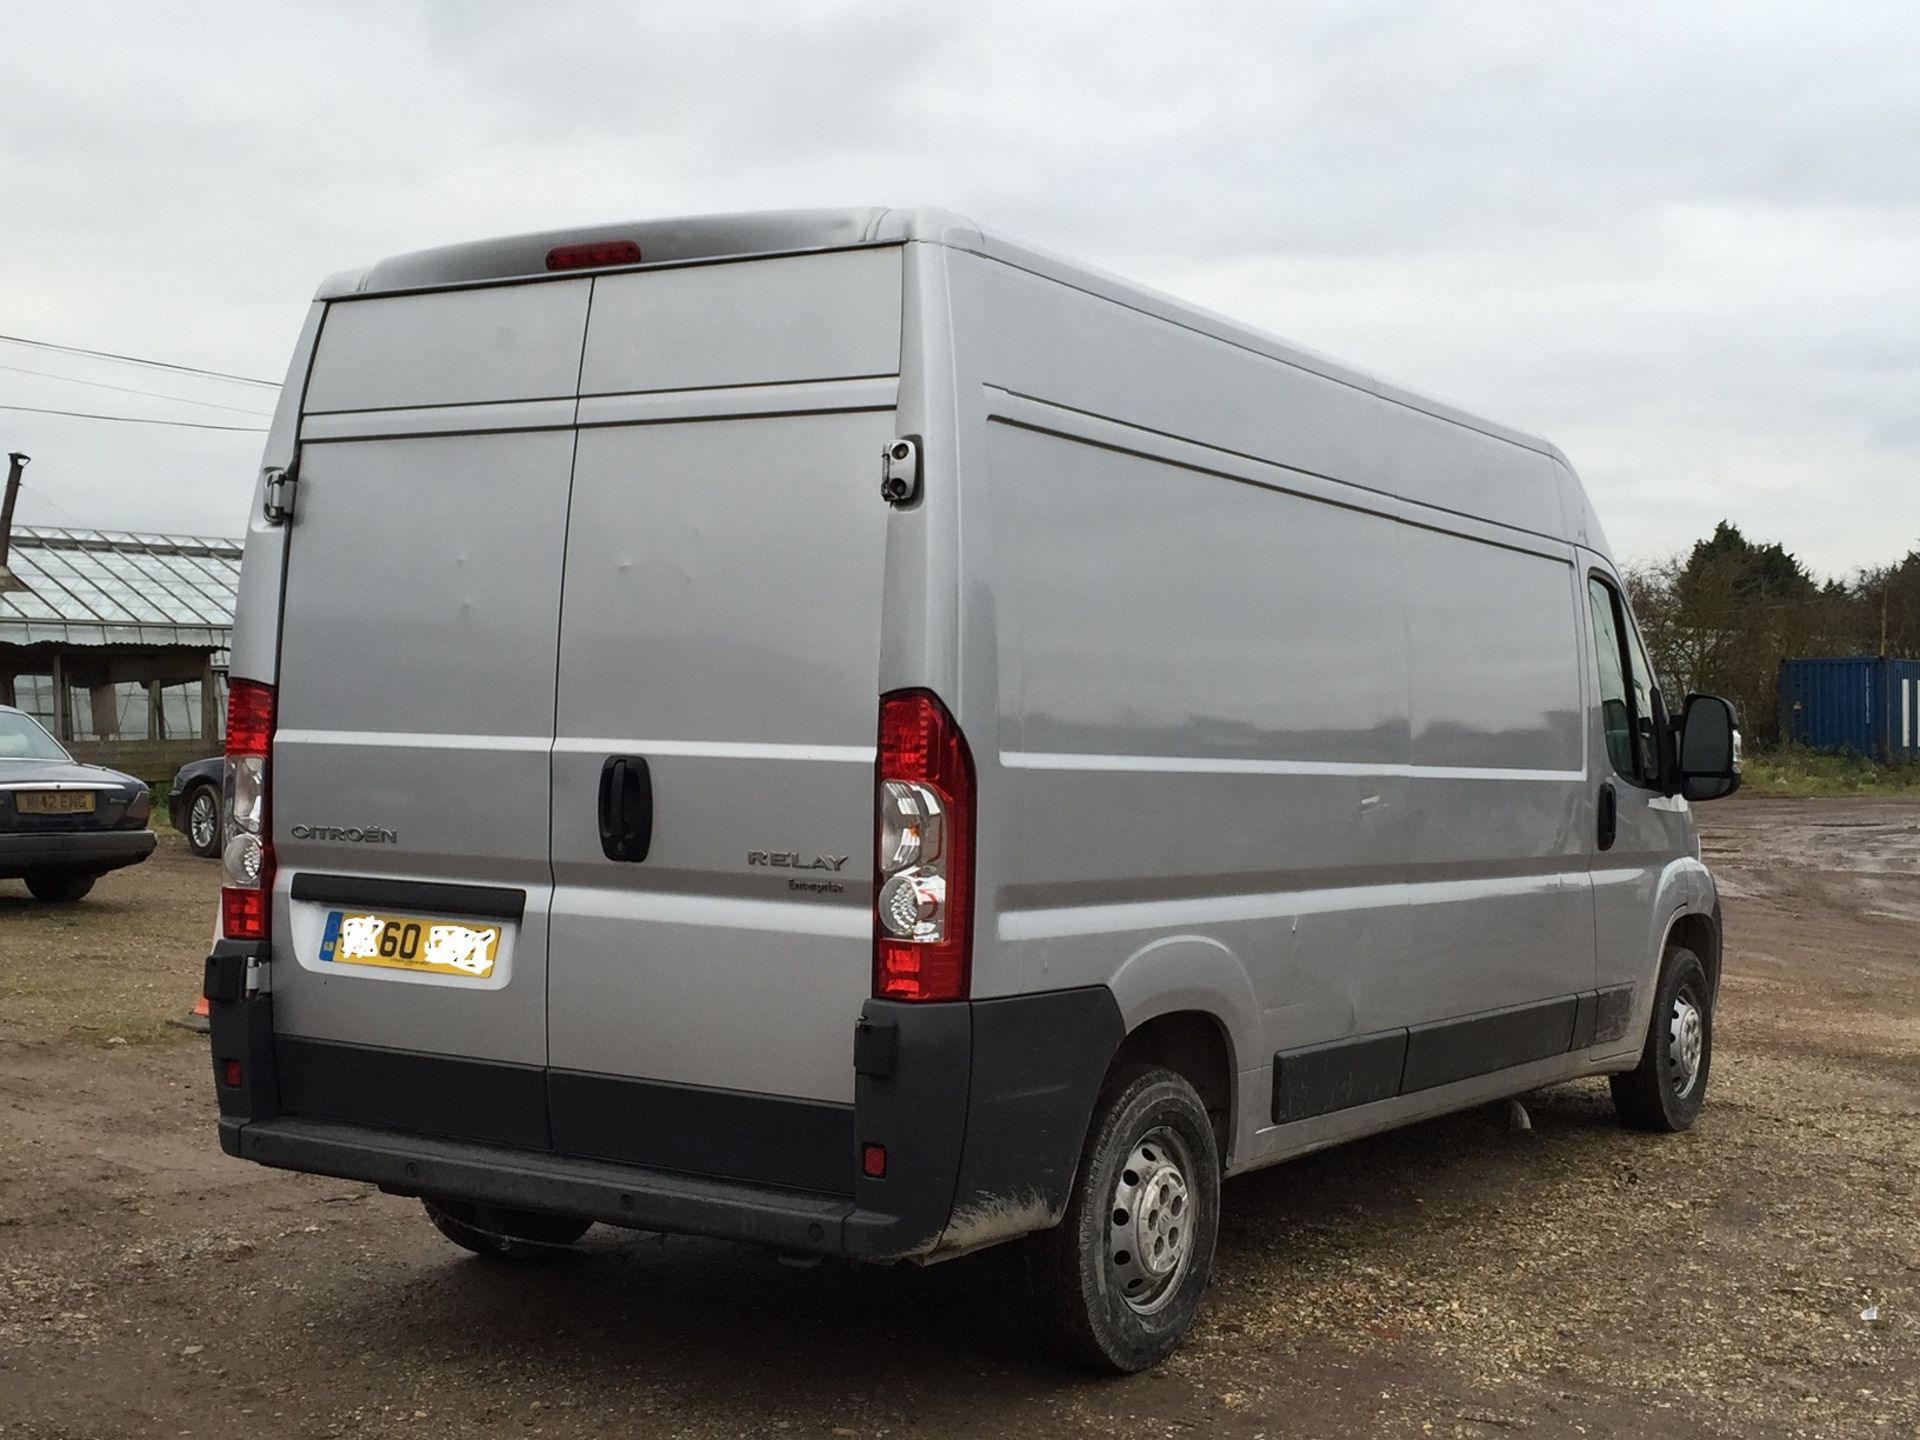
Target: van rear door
(718, 691)
(410, 765)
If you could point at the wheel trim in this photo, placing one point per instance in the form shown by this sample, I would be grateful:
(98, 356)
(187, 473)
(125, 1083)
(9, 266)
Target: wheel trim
(201, 820)
(1150, 1221)
(1686, 1043)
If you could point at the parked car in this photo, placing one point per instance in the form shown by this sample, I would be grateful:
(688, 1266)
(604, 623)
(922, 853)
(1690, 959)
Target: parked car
(193, 805)
(63, 825)
(1015, 750)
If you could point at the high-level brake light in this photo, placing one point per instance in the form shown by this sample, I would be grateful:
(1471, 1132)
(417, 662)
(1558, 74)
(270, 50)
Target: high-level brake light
(923, 843)
(247, 860)
(592, 254)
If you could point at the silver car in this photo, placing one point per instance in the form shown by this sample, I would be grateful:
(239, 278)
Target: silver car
(842, 731)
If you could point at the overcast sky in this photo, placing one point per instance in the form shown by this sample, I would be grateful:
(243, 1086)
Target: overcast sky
(1682, 240)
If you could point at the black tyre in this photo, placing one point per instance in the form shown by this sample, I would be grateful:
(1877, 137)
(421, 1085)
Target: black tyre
(1119, 1279)
(203, 821)
(502, 1234)
(1666, 1089)
(59, 887)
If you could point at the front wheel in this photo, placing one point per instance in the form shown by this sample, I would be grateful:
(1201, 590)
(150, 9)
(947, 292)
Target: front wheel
(1667, 1088)
(59, 887)
(1120, 1278)
(500, 1234)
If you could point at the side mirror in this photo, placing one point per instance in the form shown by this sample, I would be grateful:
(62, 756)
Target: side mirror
(1709, 760)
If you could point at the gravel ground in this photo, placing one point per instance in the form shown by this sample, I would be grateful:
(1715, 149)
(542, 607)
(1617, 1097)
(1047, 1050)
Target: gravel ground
(1458, 1278)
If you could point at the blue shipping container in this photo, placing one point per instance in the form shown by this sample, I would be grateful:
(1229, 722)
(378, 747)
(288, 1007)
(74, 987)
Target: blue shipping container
(1861, 704)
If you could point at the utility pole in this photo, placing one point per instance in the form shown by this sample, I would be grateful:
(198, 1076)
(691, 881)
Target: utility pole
(16, 462)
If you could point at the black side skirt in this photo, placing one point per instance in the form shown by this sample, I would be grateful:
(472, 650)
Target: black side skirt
(1319, 1079)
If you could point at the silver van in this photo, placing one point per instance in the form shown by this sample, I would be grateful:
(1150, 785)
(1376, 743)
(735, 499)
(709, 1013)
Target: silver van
(840, 731)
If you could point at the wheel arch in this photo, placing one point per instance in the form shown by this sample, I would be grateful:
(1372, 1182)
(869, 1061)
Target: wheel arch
(1699, 931)
(1194, 1044)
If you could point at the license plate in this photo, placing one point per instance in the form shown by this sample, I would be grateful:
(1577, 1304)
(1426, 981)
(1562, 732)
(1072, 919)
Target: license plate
(410, 942)
(53, 802)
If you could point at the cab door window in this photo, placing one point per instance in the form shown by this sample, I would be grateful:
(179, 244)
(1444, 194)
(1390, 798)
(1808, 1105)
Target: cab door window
(1630, 709)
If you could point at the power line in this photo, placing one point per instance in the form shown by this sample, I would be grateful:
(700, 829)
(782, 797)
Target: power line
(133, 390)
(135, 419)
(139, 360)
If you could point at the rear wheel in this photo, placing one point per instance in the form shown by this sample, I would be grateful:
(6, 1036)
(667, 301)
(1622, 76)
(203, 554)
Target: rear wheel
(501, 1234)
(1120, 1278)
(1667, 1088)
(59, 887)
(203, 822)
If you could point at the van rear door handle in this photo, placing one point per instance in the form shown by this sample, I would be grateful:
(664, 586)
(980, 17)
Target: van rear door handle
(626, 808)
(1609, 816)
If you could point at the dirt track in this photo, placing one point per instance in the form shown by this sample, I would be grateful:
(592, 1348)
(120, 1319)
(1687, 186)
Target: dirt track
(1452, 1279)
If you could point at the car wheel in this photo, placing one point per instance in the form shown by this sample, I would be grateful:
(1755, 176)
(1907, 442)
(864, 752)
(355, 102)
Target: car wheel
(1119, 1279)
(1667, 1088)
(500, 1234)
(203, 822)
(59, 887)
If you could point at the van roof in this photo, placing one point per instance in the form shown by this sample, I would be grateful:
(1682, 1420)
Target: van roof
(694, 239)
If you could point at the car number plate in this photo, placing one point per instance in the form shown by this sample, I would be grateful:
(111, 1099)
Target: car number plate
(53, 802)
(410, 942)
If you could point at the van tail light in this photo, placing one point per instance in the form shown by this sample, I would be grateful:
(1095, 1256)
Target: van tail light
(923, 842)
(247, 861)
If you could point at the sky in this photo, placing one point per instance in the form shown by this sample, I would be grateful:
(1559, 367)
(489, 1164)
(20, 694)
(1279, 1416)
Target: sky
(1680, 240)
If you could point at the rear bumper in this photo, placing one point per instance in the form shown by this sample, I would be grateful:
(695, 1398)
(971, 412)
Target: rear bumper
(982, 1108)
(530, 1180)
(94, 851)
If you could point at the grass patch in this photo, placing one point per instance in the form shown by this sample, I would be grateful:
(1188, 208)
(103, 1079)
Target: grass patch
(1803, 772)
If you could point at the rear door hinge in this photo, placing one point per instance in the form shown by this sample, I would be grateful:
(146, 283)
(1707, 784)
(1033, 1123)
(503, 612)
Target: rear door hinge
(281, 488)
(900, 470)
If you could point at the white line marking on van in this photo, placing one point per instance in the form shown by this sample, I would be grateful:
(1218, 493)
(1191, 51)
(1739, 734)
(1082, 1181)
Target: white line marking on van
(1197, 765)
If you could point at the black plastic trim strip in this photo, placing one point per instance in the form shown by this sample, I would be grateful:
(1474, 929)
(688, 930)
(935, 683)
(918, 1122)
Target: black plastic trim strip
(1317, 1079)
(696, 1130)
(448, 1095)
(493, 901)
(1450, 1050)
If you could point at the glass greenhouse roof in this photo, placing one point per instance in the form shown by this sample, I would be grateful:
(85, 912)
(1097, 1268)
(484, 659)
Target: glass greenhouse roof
(109, 587)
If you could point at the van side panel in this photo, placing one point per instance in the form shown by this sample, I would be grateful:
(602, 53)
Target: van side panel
(1282, 671)
(1204, 706)
(1499, 810)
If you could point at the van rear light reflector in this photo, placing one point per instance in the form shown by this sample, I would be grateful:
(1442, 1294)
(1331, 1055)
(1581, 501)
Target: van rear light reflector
(243, 913)
(873, 1161)
(247, 860)
(230, 1072)
(592, 254)
(923, 852)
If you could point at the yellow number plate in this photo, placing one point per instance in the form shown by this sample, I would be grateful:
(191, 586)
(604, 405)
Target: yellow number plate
(410, 942)
(53, 802)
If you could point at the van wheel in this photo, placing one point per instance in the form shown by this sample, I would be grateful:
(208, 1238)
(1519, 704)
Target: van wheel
(1666, 1089)
(504, 1234)
(1119, 1279)
(59, 887)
